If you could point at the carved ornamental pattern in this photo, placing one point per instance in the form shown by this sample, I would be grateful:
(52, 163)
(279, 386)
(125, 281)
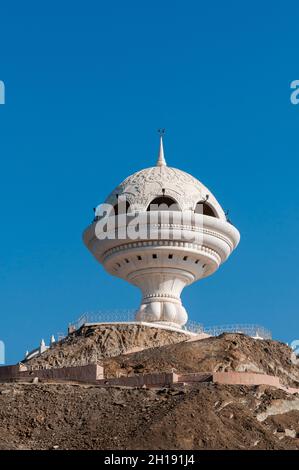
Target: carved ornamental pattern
(143, 186)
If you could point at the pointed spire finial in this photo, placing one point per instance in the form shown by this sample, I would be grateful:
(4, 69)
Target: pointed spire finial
(161, 159)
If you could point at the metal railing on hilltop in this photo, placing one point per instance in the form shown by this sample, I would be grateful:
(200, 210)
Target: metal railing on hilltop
(128, 315)
(104, 316)
(194, 327)
(247, 329)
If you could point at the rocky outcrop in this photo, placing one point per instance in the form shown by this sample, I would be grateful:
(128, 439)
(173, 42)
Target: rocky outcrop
(128, 349)
(92, 344)
(224, 353)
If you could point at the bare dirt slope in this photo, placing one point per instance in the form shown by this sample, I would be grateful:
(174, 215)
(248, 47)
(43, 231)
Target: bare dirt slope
(207, 416)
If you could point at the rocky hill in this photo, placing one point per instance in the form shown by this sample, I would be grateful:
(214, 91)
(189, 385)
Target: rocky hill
(134, 349)
(195, 416)
(93, 343)
(227, 352)
(206, 416)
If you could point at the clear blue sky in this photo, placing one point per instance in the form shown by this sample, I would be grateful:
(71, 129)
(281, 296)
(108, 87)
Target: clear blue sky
(87, 85)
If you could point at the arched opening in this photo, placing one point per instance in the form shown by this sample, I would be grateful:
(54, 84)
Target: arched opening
(205, 209)
(121, 207)
(163, 203)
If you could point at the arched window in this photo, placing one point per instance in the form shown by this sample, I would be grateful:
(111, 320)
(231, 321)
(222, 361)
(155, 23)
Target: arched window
(163, 203)
(121, 207)
(205, 209)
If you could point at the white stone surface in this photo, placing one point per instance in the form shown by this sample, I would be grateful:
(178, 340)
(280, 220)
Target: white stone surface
(177, 254)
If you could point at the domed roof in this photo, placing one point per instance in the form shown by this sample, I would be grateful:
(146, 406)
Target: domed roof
(145, 185)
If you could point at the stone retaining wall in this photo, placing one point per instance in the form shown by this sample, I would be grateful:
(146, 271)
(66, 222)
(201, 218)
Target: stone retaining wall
(88, 373)
(245, 378)
(149, 380)
(196, 377)
(94, 373)
(8, 372)
(225, 378)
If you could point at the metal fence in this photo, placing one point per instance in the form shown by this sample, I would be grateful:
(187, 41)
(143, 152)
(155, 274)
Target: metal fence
(128, 315)
(194, 327)
(104, 316)
(247, 329)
